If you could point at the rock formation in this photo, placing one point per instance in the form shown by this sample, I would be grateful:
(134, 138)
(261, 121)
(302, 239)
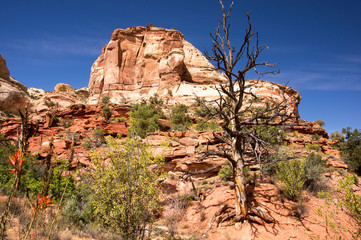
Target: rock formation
(140, 61)
(13, 95)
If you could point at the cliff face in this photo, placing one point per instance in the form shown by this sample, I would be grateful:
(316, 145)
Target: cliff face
(140, 61)
(12, 93)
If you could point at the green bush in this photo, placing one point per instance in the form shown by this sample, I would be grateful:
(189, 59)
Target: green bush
(291, 173)
(225, 173)
(337, 136)
(120, 119)
(143, 119)
(320, 122)
(125, 191)
(179, 117)
(315, 137)
(107, 112)
(315, 147)
(351, 149)
(314, 169)
(203, 125)
(98, 137)
(105, 99)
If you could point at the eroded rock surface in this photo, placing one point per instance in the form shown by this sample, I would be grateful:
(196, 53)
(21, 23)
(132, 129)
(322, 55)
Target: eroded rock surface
(140, 61)
(13, 95)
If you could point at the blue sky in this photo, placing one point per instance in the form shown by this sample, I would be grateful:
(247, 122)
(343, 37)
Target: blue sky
(317, 43)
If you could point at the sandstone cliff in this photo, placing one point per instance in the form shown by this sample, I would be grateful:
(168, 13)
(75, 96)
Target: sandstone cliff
(13, 95)
(140, 61)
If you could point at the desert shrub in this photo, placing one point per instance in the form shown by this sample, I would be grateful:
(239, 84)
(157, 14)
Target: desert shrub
(8, 113)
(150, 25)
(6, 148)
(315, 137)
(179, 118)
(107, 112)
(315, 147)
(71, 136)
(65, 122)
(49, 103)
(271, 134)
(87, 143)
(143, 119)
(314, 169)
(155, 100)
(291, 173)
(105, 99)
(211, 125)
(337, 136)
(98, 137)
(320, 122)
(351, 149)
(125, 191)
(120, 119)
(225, 173)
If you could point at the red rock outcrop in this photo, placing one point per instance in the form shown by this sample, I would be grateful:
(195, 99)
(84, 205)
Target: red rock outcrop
(140, 61)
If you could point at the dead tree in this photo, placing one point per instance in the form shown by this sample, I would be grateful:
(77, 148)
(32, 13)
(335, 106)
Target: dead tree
(247, 118)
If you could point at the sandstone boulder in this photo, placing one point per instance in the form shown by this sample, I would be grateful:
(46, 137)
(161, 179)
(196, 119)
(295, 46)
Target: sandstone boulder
(13, 94)
(62, 87)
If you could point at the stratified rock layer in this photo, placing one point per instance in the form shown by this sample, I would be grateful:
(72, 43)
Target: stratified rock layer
(140, 61)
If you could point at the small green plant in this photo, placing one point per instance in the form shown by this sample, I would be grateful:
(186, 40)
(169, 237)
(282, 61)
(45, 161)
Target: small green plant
(107, 112)
(105, 99)
(179, 118)
(149, 25)
(291, 173)
(143, 119)
(225, 173)
(49, 103)
(98, 137)
(315, 147)
(314, 169)
(65, 122)
(320, 122)
(156, 100)
(315, 137)
(170, 93)
(8, 113)
(120, 119)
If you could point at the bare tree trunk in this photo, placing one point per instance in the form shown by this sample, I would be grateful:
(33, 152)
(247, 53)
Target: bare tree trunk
(240, 183)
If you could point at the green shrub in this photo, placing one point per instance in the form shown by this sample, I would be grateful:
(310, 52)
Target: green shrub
(105, 99)
(351, 149)
(107, 112)
(179, 117)
(291, 173)
(337, 136)
(225, 173)
(120, 119)
(314, 169)
(125, 192)
(155, 100)
(143, 119)
(315, 147)
(98, 137)
(203, 125)
(8, 113)
(315, 137)
(320, 122)
(49, 104)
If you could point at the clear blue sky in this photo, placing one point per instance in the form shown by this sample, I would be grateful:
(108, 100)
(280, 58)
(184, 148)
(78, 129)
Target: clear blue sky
(317, 43)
